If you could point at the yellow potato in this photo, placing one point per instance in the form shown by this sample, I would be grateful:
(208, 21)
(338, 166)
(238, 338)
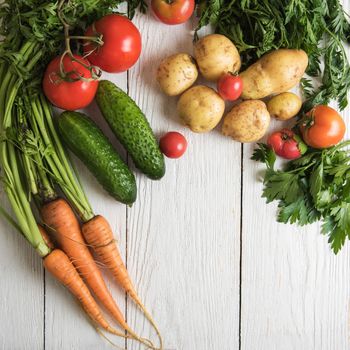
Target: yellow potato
(276, 72)
(177, 73)
(215, 54)
(247, 121)
(284, 106)
(200, 108)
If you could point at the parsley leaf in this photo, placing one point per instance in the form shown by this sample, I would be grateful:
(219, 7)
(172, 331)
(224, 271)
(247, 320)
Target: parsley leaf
(281, 185)
(37, 21)
(265, 155)
(316, 180)
(318, 27)
(315, 187)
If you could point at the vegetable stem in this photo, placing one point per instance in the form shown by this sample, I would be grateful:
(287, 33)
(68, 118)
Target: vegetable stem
(74, 180)
(57, 160)
(9, 161)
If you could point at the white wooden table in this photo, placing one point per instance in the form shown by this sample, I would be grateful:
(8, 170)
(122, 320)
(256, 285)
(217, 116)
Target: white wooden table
(208, 259)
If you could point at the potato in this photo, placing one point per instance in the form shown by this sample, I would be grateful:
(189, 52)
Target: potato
(177, 73)
(247, 121)
(276, 72)
(284, 106)
(200, 108)
(215, 54)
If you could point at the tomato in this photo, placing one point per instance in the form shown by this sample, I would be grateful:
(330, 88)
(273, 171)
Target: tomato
(322, 127)
(230, 86)
(286, 144)
(173, 144)
(69, 95)
(173, 11)
(121, 46)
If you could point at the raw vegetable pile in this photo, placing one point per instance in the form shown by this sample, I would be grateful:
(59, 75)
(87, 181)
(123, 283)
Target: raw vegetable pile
(318, 27)
(312, 188)
(260, 51)
(56, 52)
(34, 163)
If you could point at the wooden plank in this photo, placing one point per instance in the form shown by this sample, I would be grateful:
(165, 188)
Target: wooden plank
(183, 231)
(21, 291)
(21, 288)
(66, 325)
(295, 292)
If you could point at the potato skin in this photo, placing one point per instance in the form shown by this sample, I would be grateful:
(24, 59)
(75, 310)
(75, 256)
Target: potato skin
(200, 108)
(284, 106)
(177, 73)
(215, 55)
(247, 121)
(275, 72)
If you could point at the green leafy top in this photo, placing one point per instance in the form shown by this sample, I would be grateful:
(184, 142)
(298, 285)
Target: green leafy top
(316, 26)
(37, 21)
(311, 188)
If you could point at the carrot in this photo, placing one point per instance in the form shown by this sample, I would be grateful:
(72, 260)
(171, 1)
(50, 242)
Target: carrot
(98, 234)
(59, 265)
(60, 218)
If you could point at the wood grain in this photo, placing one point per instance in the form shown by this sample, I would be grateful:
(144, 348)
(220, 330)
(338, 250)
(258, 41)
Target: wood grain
(66, 325)
(294, 290)
(21, 291)
(183, 241)
(206, 255)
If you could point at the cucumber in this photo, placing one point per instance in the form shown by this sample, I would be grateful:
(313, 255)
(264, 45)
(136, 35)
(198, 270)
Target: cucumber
(131, 128)
(89, 144)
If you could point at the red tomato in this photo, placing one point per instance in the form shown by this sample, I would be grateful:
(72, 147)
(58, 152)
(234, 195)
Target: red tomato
(173, 11)
(121, 46)
(322, 127)
(230, 86)
(173, 144)
(69, 95)
(286, 144)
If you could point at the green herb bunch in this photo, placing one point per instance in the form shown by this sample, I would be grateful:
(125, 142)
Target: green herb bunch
(312, 188)
(33, 33)
(319, 27)
(37, 21)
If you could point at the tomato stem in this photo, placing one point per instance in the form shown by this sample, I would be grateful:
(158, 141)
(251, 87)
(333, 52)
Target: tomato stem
(98, 39)
(308, 119)
(73, 75)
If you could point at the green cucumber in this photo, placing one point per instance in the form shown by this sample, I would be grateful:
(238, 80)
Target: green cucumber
(89, 144)
(131, 128)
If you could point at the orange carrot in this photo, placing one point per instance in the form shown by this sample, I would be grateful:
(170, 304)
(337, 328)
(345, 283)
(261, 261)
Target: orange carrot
(59, 265)
(61, 220)
(98, 234)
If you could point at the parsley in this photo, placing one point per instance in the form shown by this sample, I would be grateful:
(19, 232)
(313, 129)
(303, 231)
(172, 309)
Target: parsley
(319, 27)
(136, 4)
(312, 188)
(37, 21)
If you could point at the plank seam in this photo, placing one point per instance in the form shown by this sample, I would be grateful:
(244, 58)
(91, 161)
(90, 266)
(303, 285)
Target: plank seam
(127, 210)
(126, 264)
(126, 225)
(240, 254)
(44, 326)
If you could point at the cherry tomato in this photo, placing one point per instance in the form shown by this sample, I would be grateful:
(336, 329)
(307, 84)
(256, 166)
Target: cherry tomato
(121, 46)
(286, 144)
(173, 11)
(173, 144)
(322, 127)
(230, 86)
(65, 94)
